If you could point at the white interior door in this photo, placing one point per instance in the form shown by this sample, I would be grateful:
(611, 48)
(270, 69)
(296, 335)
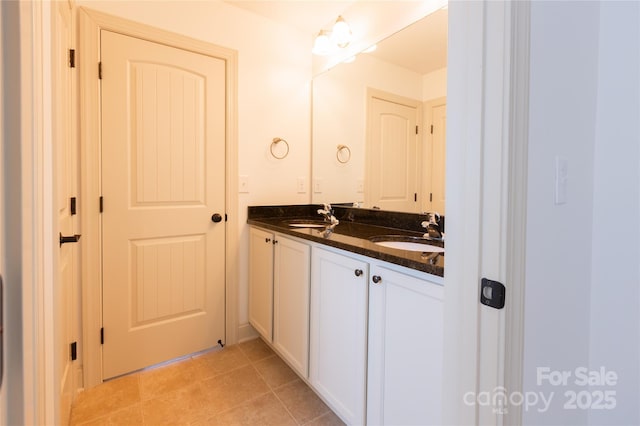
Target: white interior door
(66, 291)
(436, 167)
(392, 154)
(163, 178)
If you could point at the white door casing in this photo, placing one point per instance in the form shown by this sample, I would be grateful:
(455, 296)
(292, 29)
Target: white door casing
(486, 203)
(392, 152)
(163, 177)
(91, 23)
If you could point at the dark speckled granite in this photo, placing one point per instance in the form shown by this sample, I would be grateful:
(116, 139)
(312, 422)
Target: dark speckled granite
(353, 233)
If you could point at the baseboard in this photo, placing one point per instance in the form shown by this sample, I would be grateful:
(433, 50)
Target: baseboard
(246, 332)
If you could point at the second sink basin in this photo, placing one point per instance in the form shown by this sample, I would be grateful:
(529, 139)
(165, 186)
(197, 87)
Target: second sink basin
(307, 223)
(406, 243)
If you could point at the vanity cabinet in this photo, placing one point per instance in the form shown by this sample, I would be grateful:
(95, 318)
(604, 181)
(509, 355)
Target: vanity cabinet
(338, 327)
(261, 282)
(279, 295)
(404, 349)
(367, 335)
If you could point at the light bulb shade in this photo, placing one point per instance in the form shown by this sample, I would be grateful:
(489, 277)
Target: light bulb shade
(341, 33)
(322, 44)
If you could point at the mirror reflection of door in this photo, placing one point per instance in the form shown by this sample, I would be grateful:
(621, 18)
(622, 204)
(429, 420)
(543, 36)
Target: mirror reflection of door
(411, 63)
(434, 158)
(392, 152)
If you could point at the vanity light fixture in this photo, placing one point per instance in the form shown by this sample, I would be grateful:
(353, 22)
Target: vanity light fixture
(327, 41)
(341, 33)
(322, 44)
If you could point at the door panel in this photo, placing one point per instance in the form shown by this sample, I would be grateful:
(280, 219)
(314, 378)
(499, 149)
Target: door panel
(392, 153)
(439, 158)
(66, 291)
(163, 171)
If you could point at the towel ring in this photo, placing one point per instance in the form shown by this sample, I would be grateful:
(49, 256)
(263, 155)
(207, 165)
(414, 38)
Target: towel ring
(340, 149)
(277, 141)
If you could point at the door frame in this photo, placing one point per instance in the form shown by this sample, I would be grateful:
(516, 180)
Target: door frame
(90, 25)
(487, 142)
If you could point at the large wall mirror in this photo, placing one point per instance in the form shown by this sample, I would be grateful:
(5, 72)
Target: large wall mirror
(379, 123)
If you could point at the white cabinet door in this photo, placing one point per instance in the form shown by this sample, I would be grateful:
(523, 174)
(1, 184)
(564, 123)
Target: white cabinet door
(261, 282)
(405, 349)
(338, 326)
(291, 302)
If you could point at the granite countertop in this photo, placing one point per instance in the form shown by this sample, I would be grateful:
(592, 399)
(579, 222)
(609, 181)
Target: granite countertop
(353, 232)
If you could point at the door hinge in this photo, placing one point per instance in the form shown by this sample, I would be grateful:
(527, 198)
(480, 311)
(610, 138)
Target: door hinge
(430, 197)
(101, 204)
(99, 70)
(102, 336)
(73, 350)
(72, 58)
(432, 129)
(72, 206)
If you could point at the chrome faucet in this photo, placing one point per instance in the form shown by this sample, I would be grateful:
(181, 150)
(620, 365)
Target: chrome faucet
(327, 213)
(432, 225)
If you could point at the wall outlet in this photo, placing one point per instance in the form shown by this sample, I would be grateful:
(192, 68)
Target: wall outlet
(301, 185)
(243, 184)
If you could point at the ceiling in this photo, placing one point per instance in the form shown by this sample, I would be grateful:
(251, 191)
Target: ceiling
(420, 47)
(306, 15)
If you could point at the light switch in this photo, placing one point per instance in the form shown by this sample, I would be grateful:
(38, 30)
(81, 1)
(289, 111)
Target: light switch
(301, 185)
(243, 184)
(317, 186)
(562, 177)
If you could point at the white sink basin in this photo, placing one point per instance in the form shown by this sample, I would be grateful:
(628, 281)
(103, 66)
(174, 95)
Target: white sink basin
(408, 243)
(302, 223)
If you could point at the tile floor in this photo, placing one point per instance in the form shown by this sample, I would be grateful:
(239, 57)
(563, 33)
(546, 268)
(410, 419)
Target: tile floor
(245, 384)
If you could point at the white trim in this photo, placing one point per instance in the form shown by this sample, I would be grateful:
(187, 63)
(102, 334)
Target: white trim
(517, 211)
(90, 25)
(486, 201)
(246, 332)
(38, 257)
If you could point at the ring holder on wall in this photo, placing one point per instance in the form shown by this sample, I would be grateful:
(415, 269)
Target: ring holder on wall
(276, 141)
(343, 154)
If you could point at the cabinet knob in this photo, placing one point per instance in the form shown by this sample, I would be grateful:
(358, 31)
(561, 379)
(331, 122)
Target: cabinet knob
(376, 279)
(267, 240)
(358, 272)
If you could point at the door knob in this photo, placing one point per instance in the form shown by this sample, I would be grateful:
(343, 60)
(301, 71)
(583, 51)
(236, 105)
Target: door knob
(72, 239)
(216, 218)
